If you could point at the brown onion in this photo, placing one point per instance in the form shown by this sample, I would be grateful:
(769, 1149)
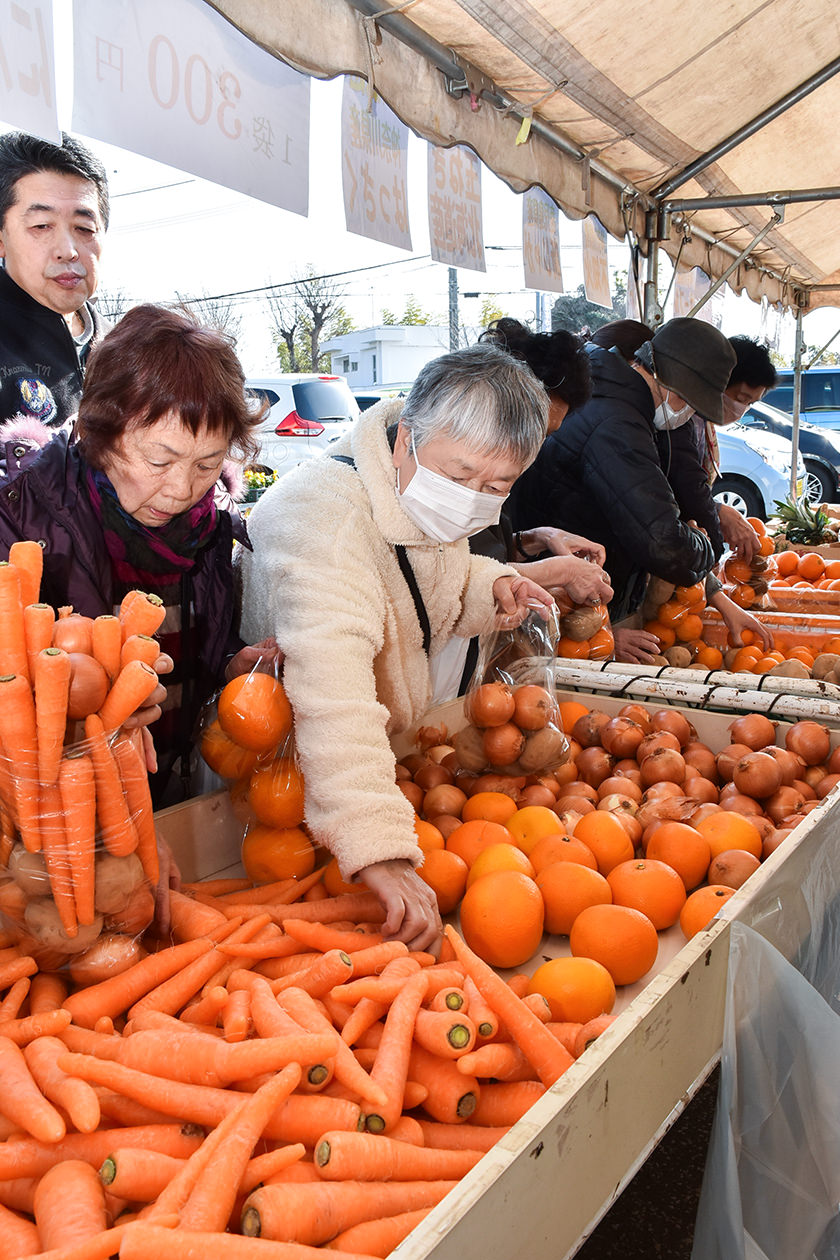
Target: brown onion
(446, 824)
(413, 762)
(594, 765)
(757, 775)
(753, 729)
(826, 785)
(732, 868)
(88, 686)
(503, 743)
(813, 775)
(664, 809)
(490, 705)
(728, 758)
(700, 789)
(536, 794)
(702, 758)
(834, 761)
(622, 786)
(446, 798)
(630, 824)
(663, 766)
(762, 824)
(432, 775)
(440, 752)
(773, 840)
(567, 773)
(401, 772)
(782, 803)
(653, 742)
(580, 788)
(810, 741)
(674, 722)
(587, 729)
(740, 804)
(413, 793)
(805, 788)
(637, 713)
(702, 811)
(73, 633)
(615, 803)
(533, 708)
(575, 806)
(511, 784)
(429, 737)
(664, 788)
(792, 766)
(621, 736)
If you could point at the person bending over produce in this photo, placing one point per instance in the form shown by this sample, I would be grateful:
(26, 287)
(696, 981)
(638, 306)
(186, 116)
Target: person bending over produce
(362, 570)
(135, 500)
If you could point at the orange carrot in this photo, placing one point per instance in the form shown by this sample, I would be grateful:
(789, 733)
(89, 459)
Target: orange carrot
(456, 1137)
(131, 688)
(118, 993)
(18, 735)
(342, 1156)
(21, 1099)
(27, 1157)
(548, 1056)
(501, 1060)
(364, 907)
(206, 1010)
(176, 990)
(537, 1005)
(69, 1204)
(390, 1070)
(367, 1011)
(588, 1032)
(211, 1201)
(483, 1016)
(38, 623)
(304, 1010)
(142, 1240)
(324, 973)
(56, 857)
(76, 1097)
(451, 998)
(567, 1034)
(141, 614)
(115, 825)
(261, 1167)
(78, 800)
(88, 1041)
(189, 919)
(451, 1095)
(18, 1193)
(373, 960)
(139, 647)
(443, 1033)
(194, 1058)
(236, 1016)
(321, 936)
(217, 887)
(22, 1031)
(137, 1175)
(28, 558)
(315, 1213)
(18, 1236)
(127, 1111)
(505, 1103)
(106, 641)
(13, 659)
(518, 984)
(135, 781)
(379, 1237)
(14, 999)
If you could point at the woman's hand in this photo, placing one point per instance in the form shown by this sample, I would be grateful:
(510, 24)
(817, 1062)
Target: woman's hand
(410, 905)
(150, 711)
(562, 543)
(169, 877)
(264, 656)
(737, 620)
(516, 597)
(583, 582)
(636, 647)
(738, 533)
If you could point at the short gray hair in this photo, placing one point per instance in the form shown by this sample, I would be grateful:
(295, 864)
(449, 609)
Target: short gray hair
(482, 396)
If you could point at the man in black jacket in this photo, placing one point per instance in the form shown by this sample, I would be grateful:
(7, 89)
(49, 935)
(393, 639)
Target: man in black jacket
(53, 217)
(601, 474)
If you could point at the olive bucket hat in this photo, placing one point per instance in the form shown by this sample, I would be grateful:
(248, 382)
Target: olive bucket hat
(693, 359)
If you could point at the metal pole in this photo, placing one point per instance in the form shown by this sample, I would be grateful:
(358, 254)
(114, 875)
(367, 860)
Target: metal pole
(797, 401)
(652, 314)
(821, 352)
(453, 309)
(677, 205)
(736, 262)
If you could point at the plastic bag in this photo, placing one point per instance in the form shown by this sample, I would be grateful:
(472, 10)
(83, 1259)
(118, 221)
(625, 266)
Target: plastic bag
(585, 630)
(746, 582)
(513, 719)
(78, 858)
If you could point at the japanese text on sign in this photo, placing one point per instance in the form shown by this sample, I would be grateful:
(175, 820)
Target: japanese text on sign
(27, 68)
(173, 80)
(596, 275)
(541, 242)
(455, 226)
(374, 158)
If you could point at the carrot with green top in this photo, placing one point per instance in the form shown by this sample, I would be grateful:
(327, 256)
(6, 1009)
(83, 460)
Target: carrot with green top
(345, 1156)
(314, 1213)
(324, 973)
(116, 994)
(38, 625)
(118, 832)
(78, 801)
(13, 658)
(503, 1103)
(106, 641)
(135, 781)
(56, 857)
(444, 1033)
(195, 1059)
(137, 1175)
(21, 1099)
(69, 1205)
(18, 1236)
(379, 1237)
(28, 558)
(139, 647)
(19, 738)
(141, 613)
(390, 1070)
(549, 1057)
(131, 688)
(77, 1097)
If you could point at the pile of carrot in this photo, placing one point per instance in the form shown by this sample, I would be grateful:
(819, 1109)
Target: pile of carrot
(62, 800)
(278, 1079)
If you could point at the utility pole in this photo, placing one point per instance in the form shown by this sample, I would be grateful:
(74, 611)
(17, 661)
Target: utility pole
(453, 309)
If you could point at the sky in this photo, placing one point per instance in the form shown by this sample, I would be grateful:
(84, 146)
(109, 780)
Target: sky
(173, 233)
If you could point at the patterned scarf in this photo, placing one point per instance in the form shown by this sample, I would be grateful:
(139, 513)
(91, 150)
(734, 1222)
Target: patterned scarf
(145, 557)
(708, 446)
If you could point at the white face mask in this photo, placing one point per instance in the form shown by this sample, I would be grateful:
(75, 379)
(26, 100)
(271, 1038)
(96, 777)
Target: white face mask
(666, 417)
(732, 410)
(443, 509)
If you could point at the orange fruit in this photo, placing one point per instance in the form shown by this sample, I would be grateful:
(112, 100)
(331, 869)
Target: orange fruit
(561, 848)
(683, 848)
(531, 823)
(502, 918)
(801, 654)
(446, 875)
(622, 939)
(572, 648)
(811, 566)
(576, 989)
(471, 837)
(690, 594)
(495, 807)
(787, 562)
(270, 853)
(602, 644)
(670, 613)
(758, 525)
(567, 888)
(664, 634)
(690, 627)
(764, 665)
(701, 907)
(737, 570)
(570, 711)
(743, 595)
(227, 759)
(727, 830)
(275, 792)
(711, 657)
(605, 836)
(254, 712)
(746, 659)
(650, 886)
(428, 836)
(335, 884)
(499, 857)
(832, 569)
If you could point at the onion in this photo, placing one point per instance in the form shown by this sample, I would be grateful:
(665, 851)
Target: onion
(451, 762)
(773, 840)
(533, 707)
(413, 793)
(469, 749)
(757, 775)
(620, 785)
(587, 729)
(615, 803)
(834, 761)
(413, 762)
(674, 722)
(702, 758)
(432, 775)
(546, 780)
(567, 773)
(792, 766)
(826, 785)
(580, 788)
(728, 758)
(662, 766)
(88, 686)
(753, 729)
(810, 741)
(638, 714)
(445, 823)
(503, 743)
(575, 807)
(700, 789)
(631, 825)
(805, 788)
(429, 737)
(401, 772)
(444, 799)
(570, 817)
(657, 790)
(740, 804)
(510, 784)
(664, 809)
(594, 765)
(440, 752)
(782, 803)
(701, 812)
(812, 775)
(537, 794)
(732, 868)
(653, 742)
(621, 736)
(72, 632)
(490, 705)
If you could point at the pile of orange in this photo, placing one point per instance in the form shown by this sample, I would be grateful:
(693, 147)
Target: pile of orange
(679, 622)
(600, 646)
(806, 571)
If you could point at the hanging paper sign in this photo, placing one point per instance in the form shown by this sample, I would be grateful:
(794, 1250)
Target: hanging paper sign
(596, 275)
(689, 288)
(541, 242)
(27, 68)
(455, 227)
(374, 167)
(635, 288)
(171, 79)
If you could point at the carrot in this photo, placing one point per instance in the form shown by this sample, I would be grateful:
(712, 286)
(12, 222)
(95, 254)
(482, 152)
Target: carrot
(69, 1204)
(538, 1005)
(135, 781)
(323, 937)
(47, 993)
(78, 801)
(315, 1213)
(304, 1010)
(448, 1137)
(138, 647)
(14, 999)
(76, 1097)
(38, 624)
(18, 735)
(236, 1016)
(379, 1237)
(141, 614)
(18, 1236)
(176, 990)
(505, 1103)
(451, 1095)
(18, 1193)
(390, 1070)
(501, 1060)
(195, 1059)
(261, 1167)
(316, 893)
(451, 998)
(548, 1056)
(115, 825)
(206, 1010)
(21, 1099)
(358, 907)
(56, 858)
(87, 1041)
(28, 558)
(217, 887)
(518, 984)
(567, 1034)
(211, 1201)
(127, 1112)
(324, 973)
(28, 1157)
(373, 960)
(588, 1032)
(342, 1156)
(106, 642)
(279, 891)
(47, 1024)
(189, 919)
(142, 1240)
(485, 1019)
(367, 1011)
(118, 993)
(261, 950)
(13, 659)
(443, 1033)
(131, 688)
(138, 1175)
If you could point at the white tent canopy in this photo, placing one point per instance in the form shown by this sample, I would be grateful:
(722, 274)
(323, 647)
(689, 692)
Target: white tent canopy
(632, 106)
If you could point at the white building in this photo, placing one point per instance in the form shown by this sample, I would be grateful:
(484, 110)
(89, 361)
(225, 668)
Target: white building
(389, 355)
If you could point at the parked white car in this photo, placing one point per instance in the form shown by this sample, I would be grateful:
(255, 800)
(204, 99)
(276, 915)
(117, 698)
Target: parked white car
(309, 411)
(754, 470)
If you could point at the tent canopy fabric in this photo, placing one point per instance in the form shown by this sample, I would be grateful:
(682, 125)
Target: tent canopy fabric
(622, 99)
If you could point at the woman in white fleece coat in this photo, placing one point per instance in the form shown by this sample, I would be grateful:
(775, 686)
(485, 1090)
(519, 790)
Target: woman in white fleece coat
(420, 473)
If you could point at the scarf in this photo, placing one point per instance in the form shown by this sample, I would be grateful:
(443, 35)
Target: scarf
(708, 445)
(146, 557)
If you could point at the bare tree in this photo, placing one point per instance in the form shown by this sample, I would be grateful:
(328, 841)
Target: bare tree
(213, 312)
(303, 314)
(285, 318)
(320, 301)
(112, 304)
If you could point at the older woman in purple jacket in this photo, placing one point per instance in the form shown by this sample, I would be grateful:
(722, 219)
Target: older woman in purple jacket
(136, 498)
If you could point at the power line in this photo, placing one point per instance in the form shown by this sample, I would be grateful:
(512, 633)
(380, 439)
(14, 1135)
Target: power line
(289, 284)
(135, 192)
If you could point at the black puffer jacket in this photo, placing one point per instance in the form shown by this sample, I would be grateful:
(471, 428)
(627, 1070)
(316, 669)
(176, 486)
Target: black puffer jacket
(680, 457)
(600, 475)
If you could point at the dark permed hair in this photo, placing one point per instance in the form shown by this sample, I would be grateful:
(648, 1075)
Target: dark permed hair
(557, 358)
(22, 154)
